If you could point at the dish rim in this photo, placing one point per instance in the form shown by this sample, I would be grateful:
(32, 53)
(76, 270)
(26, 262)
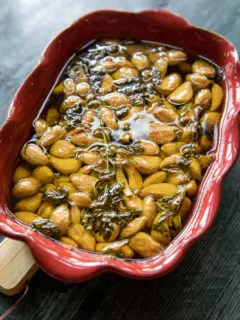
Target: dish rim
(91, 266)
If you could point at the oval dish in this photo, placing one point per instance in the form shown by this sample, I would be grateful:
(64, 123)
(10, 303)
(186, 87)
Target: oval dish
(163, 26)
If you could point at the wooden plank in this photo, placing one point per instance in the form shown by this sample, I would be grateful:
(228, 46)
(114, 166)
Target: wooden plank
(16, 266)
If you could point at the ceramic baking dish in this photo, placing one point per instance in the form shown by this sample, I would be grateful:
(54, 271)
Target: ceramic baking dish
(155, 25)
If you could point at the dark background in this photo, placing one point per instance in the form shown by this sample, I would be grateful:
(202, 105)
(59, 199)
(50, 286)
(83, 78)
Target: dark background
(207, 284)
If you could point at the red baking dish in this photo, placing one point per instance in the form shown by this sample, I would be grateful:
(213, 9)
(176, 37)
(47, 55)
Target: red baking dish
(155, 25)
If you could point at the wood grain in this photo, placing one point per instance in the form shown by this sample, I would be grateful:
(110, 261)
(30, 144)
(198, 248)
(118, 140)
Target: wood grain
(16, 266)
(207, 284)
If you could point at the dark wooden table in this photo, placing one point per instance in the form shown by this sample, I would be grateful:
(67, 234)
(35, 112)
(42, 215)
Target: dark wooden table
(207, 284)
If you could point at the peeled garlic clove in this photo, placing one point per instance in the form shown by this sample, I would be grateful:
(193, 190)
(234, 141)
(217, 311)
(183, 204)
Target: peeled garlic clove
(203, 98)
(134, 178)
(88, 116)
(90, 157)
(34, 155)
(30, 204)
(162, 65)
(164, 114)
(210, 120)
(84, 183)
(154, 178)
(133, 227)
(75, 214)
(217, 97)
(82, 237)
(107, 84)
(65, 166)
(21, 172)
(182, 94)
(52, 116)
(185, 208)
(150, 148)
(69, 242)
(40, 126)
(175, 57)
(144, 245)
(116, 99)
(204, 68)
(195, 170)
(79, 198)
(159, 189)
(125, 72)
(26, 217)
(43, 174)
(160, 133)
(61, 218)
(84, 139)
(149, 210)
(62, 149)
(177, 178)
(26, 187)
(69, 103)
(170, 83)
(198, 81)
(172, 148)
(146, 164)
(168, 161)
(191, 188)
(45, 210)
(109, 118)
(140, 61)
(133, 202)
(51, 135)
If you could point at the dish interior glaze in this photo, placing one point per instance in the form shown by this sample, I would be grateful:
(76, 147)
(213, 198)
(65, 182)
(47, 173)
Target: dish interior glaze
(120, 147)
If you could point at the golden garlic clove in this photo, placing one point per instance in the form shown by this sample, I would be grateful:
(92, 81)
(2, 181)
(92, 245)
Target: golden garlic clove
(109, 118)
(69, 242)
(125, 72)
(203, 98)
(21, 172)
(146, 164)
(161, 133)
(65, 166)
(198, 81)
(134, 178)
(45, 210)
(51, 135)
(30, 204)
(34, 155)
(204, 68)
(162, 65)
(159, 190)
(62, 149)
(26, 187)
(26, 217)
(79, 198)
(169, 84)
(44, 174)
(61, 218)
(176, 56)
(82, 237)
(182, 94)
(217, 97)
(84, 183)
(140, 61)
(149, 210)
(144, 245)
(133, 227)
(154, 178)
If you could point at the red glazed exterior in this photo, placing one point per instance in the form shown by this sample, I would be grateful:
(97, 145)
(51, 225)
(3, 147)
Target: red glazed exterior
(156, 25)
